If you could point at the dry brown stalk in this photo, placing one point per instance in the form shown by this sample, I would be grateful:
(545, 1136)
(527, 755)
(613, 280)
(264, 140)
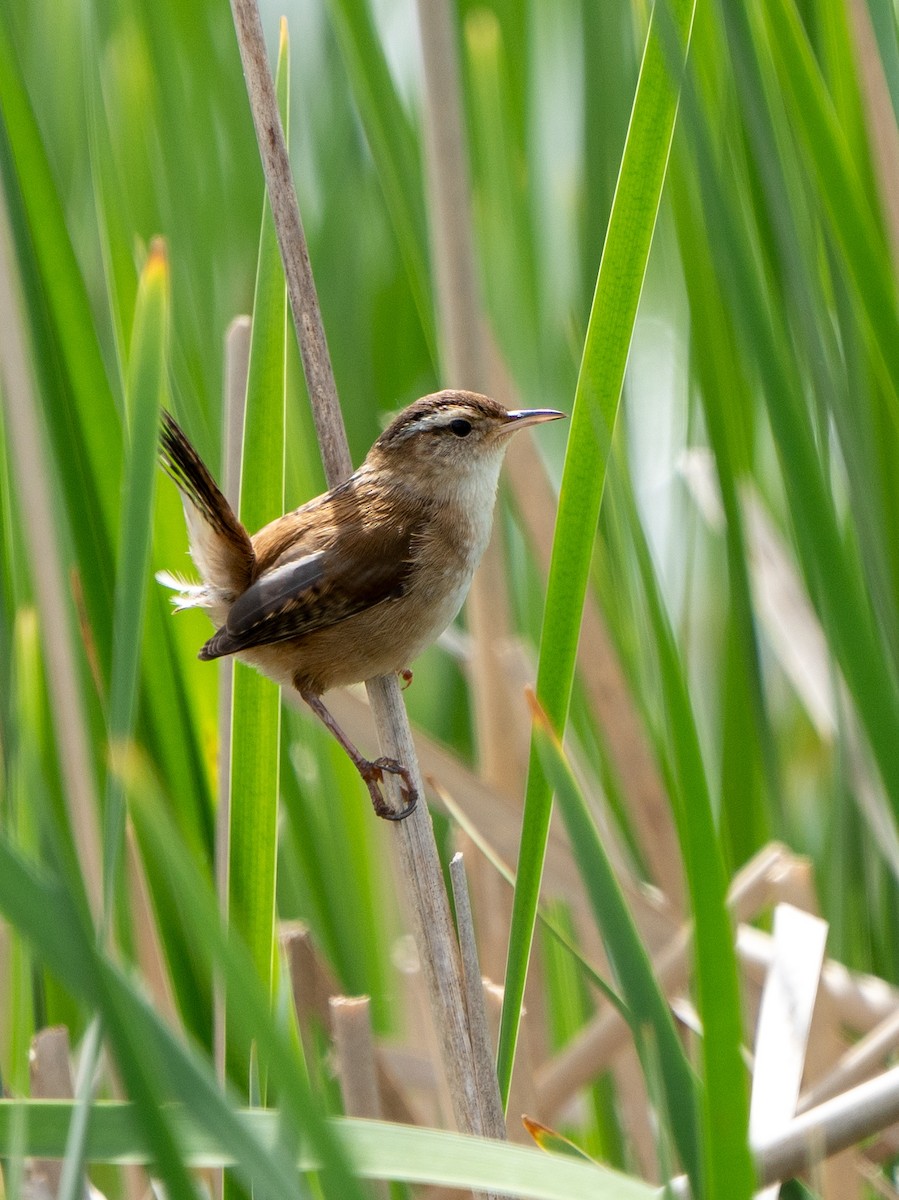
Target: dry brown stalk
(491, 1104)
(427, 905)
(51, 1079)
(313, 983)
(354, 1047)
(355, 1060)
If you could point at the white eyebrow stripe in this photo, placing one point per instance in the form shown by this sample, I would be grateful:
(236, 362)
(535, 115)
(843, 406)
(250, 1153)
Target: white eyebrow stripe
(439, 420)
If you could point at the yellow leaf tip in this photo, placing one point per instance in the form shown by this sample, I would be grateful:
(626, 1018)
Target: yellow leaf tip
(482, 31)
(157, 263)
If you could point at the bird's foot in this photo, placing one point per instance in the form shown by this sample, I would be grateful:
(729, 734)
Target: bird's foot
(373, 774)
(406, 676)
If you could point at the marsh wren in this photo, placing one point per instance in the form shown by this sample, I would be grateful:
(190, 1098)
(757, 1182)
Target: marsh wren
(359, 581)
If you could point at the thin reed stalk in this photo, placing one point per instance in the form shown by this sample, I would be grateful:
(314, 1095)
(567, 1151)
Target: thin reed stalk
(428, 905)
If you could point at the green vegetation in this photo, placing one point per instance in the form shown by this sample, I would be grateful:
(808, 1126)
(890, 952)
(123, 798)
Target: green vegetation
(699, 266)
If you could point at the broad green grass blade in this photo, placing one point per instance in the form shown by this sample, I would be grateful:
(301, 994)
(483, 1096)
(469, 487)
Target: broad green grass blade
(256, 702)
(379, 1151)
(614, 310)
(144, 396)
(627, 954)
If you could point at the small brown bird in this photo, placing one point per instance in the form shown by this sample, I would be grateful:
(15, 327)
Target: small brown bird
(361, 580)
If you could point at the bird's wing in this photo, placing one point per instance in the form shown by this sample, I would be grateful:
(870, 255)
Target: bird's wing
(303, 592)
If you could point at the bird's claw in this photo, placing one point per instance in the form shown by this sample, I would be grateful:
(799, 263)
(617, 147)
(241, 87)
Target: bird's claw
(373, 775)
(406, 676)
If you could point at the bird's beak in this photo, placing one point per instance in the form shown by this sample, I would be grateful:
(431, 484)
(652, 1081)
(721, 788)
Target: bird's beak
(519, 418)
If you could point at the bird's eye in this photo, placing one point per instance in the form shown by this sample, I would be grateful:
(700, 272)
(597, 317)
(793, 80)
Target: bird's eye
(460, 427)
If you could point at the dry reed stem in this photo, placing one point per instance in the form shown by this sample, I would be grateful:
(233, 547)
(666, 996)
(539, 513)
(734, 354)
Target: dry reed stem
(837, 1175)
(862, 1001)
(491, 1104)
(50, 1069)
(355, 1062)
(637, 1114)
(292, 243)
(491, 899)
(428, 905)
(28, 456)
(313, 983)
(354, 1050)
(831, 1127)
(465, 364)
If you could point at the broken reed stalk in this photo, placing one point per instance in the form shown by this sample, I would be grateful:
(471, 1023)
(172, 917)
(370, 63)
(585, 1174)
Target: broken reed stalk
(491, 1104)
(429, 908)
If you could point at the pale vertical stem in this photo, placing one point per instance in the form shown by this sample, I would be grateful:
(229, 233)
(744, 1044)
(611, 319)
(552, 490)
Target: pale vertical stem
(428, 905)
(491, 899)
(355, 1054)
(312, 982)
(312, 985)
(292, 243)
(491, 1105)
(428, 910)
(51, 1079)
(40, 530)
(237, 365)
(465, 363)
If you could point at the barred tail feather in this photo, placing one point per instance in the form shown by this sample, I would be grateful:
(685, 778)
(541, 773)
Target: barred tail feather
(219, 544)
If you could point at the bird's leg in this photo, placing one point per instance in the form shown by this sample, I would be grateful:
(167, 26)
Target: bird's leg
(371, 770)
(406, 676)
